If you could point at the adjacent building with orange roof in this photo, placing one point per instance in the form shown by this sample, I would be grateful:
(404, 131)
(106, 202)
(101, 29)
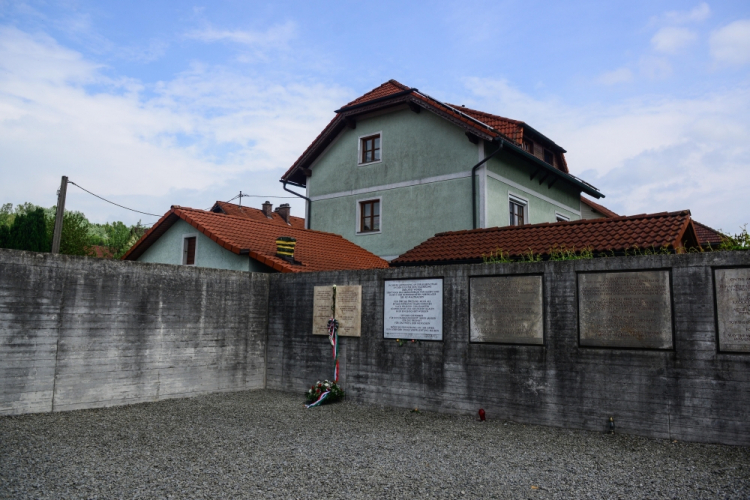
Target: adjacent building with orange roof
(672, 231)
(187, 236)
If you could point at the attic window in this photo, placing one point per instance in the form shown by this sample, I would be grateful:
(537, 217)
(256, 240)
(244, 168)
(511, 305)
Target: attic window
(188, 251)
(369, 149)
(549, 157)
(528, 146)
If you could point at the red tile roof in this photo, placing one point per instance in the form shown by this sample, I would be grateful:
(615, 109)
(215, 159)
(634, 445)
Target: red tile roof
(315, 250)
(388, 88)
(101, 252)
(708, 235)
(484, 125)
(673, 230)
(598, 208)
(513, 129)
(257, 214)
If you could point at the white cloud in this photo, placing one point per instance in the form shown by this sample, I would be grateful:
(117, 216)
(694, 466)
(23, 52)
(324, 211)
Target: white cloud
(279, 34)
(731, 44)
(647, 154)
(621, 75)
(699, 13)
(199, 130)
(671, 40)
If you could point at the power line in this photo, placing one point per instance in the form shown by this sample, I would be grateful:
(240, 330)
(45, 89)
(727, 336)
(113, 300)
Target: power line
(112, 202)
(243, 195)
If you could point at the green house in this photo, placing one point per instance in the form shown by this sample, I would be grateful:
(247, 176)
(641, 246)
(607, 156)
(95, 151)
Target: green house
(396, 166)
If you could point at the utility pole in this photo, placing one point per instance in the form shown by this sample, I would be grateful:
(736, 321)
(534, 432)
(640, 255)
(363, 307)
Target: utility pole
(59, 215)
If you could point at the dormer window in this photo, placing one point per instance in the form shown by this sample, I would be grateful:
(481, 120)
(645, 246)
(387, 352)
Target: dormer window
(369, 149)
(549, 157)
(528, 146)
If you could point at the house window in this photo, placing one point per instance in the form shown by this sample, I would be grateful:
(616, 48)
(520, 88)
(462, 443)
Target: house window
(549, 157)
(188, 251)
(370, 149)
(369, 216)
(561, 218)
(517, 212)
(528, 146)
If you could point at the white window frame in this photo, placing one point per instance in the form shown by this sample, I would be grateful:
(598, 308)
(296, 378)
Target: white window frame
(184, 248)
(379, 133)
(357, 231)
(521, 201)
(564, 217)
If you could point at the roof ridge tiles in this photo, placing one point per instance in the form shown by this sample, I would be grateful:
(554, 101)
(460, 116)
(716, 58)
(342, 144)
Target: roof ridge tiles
(601, 220)
(464, 108)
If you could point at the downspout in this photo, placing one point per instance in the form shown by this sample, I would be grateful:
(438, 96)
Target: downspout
(474, 185)
(309, 205)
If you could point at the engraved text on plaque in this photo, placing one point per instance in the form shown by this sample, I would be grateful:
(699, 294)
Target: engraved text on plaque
(507, 309)
(348, 309)
(733, 309)
(413, 309)
(628, 309)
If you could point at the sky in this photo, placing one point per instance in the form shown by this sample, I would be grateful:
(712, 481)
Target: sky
(158, 103)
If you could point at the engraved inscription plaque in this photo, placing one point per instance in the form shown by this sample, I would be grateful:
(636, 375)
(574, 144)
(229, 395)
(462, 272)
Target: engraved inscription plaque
(628, 309)
(348, 309)
(506, 309)
(413, 309)
(733, 309)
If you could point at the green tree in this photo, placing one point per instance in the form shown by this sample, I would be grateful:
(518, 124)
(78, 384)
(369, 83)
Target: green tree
(74, 239)
(28, 232)
(6, 215)
(4, 236)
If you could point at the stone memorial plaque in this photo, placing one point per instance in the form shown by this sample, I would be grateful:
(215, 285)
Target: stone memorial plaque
(348, 309)
(413, 309)
(506, 309)
(733, 309)
(628, 309)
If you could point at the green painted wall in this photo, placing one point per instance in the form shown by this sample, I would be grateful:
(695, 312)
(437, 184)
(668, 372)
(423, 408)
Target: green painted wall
(409, 215)
(413, 146)
(518, 172)
(169, 247)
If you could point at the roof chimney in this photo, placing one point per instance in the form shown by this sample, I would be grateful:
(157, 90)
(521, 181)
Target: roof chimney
(268, 209)
(283, 211)
(285, 248)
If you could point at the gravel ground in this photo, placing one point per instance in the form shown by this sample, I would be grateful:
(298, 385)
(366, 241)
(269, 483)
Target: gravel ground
(265, 444)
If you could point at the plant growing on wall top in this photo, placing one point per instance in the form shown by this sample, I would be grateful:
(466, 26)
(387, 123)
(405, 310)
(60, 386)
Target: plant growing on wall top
(740, 241)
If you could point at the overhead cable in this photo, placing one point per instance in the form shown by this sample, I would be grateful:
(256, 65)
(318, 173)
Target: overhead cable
(112, 202)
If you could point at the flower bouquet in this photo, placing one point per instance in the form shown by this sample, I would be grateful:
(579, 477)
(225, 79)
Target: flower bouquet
(316, 391)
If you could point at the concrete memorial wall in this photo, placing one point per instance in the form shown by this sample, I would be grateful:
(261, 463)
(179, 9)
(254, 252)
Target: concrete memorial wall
(660, 343)
(634, 338)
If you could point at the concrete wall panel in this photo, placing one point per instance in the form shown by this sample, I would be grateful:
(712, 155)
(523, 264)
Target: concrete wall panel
(82, 333)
